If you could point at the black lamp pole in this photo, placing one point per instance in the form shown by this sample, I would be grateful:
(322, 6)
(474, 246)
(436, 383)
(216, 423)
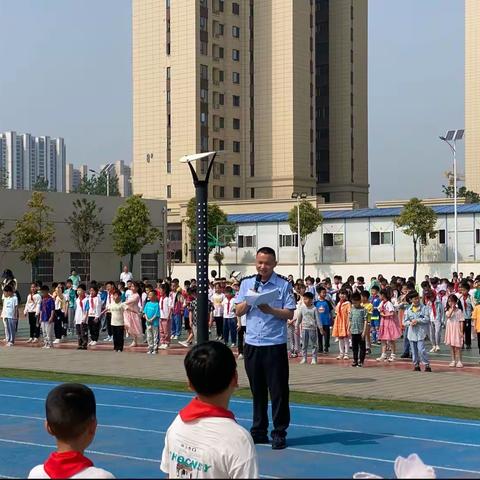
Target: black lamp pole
(201, 196)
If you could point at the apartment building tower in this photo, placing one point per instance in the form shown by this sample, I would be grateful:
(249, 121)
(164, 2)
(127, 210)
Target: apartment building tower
(24, 159)
(472, 95)
(279, 85)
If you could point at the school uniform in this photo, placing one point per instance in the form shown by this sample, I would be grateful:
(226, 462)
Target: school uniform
(165, 320)
(10, 317)
(229, 321)
(46, 308)
(117, 325)
(32, 312)
(81, 322)
(94, 311)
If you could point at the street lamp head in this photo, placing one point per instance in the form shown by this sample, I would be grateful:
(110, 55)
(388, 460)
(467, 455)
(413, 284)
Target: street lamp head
(442, 138)
(303, 195)
(196, 156)
(295, 195)
(92, 170)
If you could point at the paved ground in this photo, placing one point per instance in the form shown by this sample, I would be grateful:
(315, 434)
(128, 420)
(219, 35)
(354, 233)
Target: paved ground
(375, 380)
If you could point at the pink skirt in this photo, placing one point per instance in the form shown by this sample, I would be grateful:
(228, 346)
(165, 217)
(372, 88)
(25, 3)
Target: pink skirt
(133, 323)
(389, 329)
(453, 335)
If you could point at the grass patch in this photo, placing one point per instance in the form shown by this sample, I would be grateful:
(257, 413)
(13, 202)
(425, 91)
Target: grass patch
(326, 400)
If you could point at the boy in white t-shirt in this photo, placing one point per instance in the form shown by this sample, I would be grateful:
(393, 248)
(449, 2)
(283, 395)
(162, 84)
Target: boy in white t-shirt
(204, 440)
(10, 314)
(72, 420)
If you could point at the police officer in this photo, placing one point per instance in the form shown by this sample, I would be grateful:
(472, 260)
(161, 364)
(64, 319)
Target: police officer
(265, 353)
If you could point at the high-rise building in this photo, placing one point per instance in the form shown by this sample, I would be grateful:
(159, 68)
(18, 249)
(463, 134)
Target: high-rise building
(73, 177)
(280, 85)
(25, 159)
(472, 95)
(124, 175)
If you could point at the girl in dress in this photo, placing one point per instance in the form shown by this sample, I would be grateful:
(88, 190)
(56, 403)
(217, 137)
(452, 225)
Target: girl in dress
(341, 326)
(454, 330)
(389, 329)
(131, 315)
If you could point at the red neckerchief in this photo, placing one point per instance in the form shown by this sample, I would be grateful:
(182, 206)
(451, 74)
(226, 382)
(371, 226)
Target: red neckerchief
(92, 303)
(464, 297)
(66, 464)
(228, 305)
(162, 298)
(198, 409)
(81, 302)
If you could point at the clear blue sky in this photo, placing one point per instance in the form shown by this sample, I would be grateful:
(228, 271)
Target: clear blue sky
(66, 72)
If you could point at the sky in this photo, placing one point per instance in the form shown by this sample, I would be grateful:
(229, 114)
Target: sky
(66, 72)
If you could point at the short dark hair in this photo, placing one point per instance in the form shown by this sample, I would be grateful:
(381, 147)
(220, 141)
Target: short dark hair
(365, 294)
(375, 287)
(356, 297)
(8, 288)
(83, 287)
(267, 251)
(70, 407)
(308, 295)
(44, 288)
(210, 367)
(320, 288)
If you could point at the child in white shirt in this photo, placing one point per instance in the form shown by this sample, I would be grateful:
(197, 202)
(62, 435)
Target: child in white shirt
(10, 314)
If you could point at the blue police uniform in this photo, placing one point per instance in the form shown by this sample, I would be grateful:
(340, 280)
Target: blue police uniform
(266, 357)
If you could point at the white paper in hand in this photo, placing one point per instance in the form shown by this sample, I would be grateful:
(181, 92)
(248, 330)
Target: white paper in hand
(254, 299)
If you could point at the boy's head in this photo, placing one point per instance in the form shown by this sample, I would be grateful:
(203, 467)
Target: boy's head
(81, 289)
(365, 296)
(211, 369)
(44, 291)
(374, 290)
(192, 292)
(69, 283)
(322, 291)
(71, 414)
(414, 298)
(308, 298)
(8, 290)
(93, 290)
(229, 292)
(356, 299)
(152, 296)
(464, 288)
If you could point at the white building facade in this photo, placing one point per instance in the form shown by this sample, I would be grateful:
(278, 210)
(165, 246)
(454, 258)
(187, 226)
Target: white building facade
(25, 158)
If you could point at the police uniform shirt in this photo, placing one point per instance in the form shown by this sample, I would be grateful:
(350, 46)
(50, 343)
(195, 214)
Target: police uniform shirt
(265, 329)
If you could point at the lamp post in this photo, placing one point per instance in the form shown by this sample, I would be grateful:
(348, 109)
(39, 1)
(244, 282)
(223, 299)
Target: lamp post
(106, 170)
(201, 196)
(297, 196)
(450, 139)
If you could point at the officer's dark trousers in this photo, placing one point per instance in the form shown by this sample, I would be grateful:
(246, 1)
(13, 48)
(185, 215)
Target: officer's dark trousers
(267, 370)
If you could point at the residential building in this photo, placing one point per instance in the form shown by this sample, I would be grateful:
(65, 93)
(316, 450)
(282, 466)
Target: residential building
(73, 177)
(124, 175)
(25, 159)
(280, 86)
(472, 95)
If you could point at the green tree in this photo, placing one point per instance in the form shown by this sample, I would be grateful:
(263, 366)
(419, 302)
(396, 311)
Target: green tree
(469, 195)
(419, 222)
(132, 228)
(216, 218)
(97, 185)
(3, 178)
(310, 220)
(41, 185)
(86, 228)
(34, 232)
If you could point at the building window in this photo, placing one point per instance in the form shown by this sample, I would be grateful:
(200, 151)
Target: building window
(236, 124)
(333, 239)
(221, 122)
(203, 118)
(235, 55)
(81, 263)
(236, 192)
(222, 192)
(381, 238)
(236, 100)
(168, 73)
(235, 77)
(204, 72)
(204, 144)
(477, 235)
(149, 266)
(252, 193)
(221, 168)
(222, 144)
(204, 95)
(247, 241)
(288, 240)
(169, 191)
(203, 23)
(221, 99)
(168, 48)
(203, 48)
(236, 31)
(235, 8)
(236, 169)
(441, 237)
(45, 268)
(236, 147)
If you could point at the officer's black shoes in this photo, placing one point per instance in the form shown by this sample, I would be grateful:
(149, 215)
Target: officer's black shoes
(279, 443)
(259, 439)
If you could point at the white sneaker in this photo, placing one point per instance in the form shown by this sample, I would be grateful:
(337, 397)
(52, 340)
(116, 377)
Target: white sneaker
(30, 340)
(382, 357)
(149, 352)
(437, 348)
(451, 364)
(35, 340)
(392, 357)
(56, 341)
(90, 343)
(314, 361)
(106, 339)
(9, 344)
(47, 346)
(133, 344)
(174, 337)
(303, 360)
(93, 343)
(432, 350)
(163, 346)
(183, 344)
(459, 365)
(240, 356)
(346, 357)
(339, 357)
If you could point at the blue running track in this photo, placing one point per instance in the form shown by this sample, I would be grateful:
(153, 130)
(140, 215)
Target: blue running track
(323, 442)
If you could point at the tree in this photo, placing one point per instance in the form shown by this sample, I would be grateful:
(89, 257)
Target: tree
(34, 232)
(462, 192)
(3, 179)
(41, 185)
(86, 228)
(216, 218)
(419, 222)
(97, 185)
(310, 220)
(132, 228)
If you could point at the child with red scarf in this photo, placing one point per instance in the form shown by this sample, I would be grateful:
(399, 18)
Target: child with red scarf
(204, 440)
(71, 419)
(81, 317)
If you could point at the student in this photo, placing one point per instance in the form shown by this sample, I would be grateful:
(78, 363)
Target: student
(10, 314)
(217, 298)
(47, 316)
(389, 330)
(71, 419)
(81, 317)
(165, 317)
(340, 327)
(32, 312)
(109, 288)
(454, 330)
(192, 317)
(437, 316)
(476, 324)
(151, 310)
(309, 321)
(358, 325)
(375, 300)
(467, 306)
(204, 440)
(325, 311)
(61, 306)
(229, 318)
(94, 306)
(417, 319)
(71, 296)
(369, 309)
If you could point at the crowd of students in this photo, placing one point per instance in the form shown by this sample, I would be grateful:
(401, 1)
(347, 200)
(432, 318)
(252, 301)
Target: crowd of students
(355, 314)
